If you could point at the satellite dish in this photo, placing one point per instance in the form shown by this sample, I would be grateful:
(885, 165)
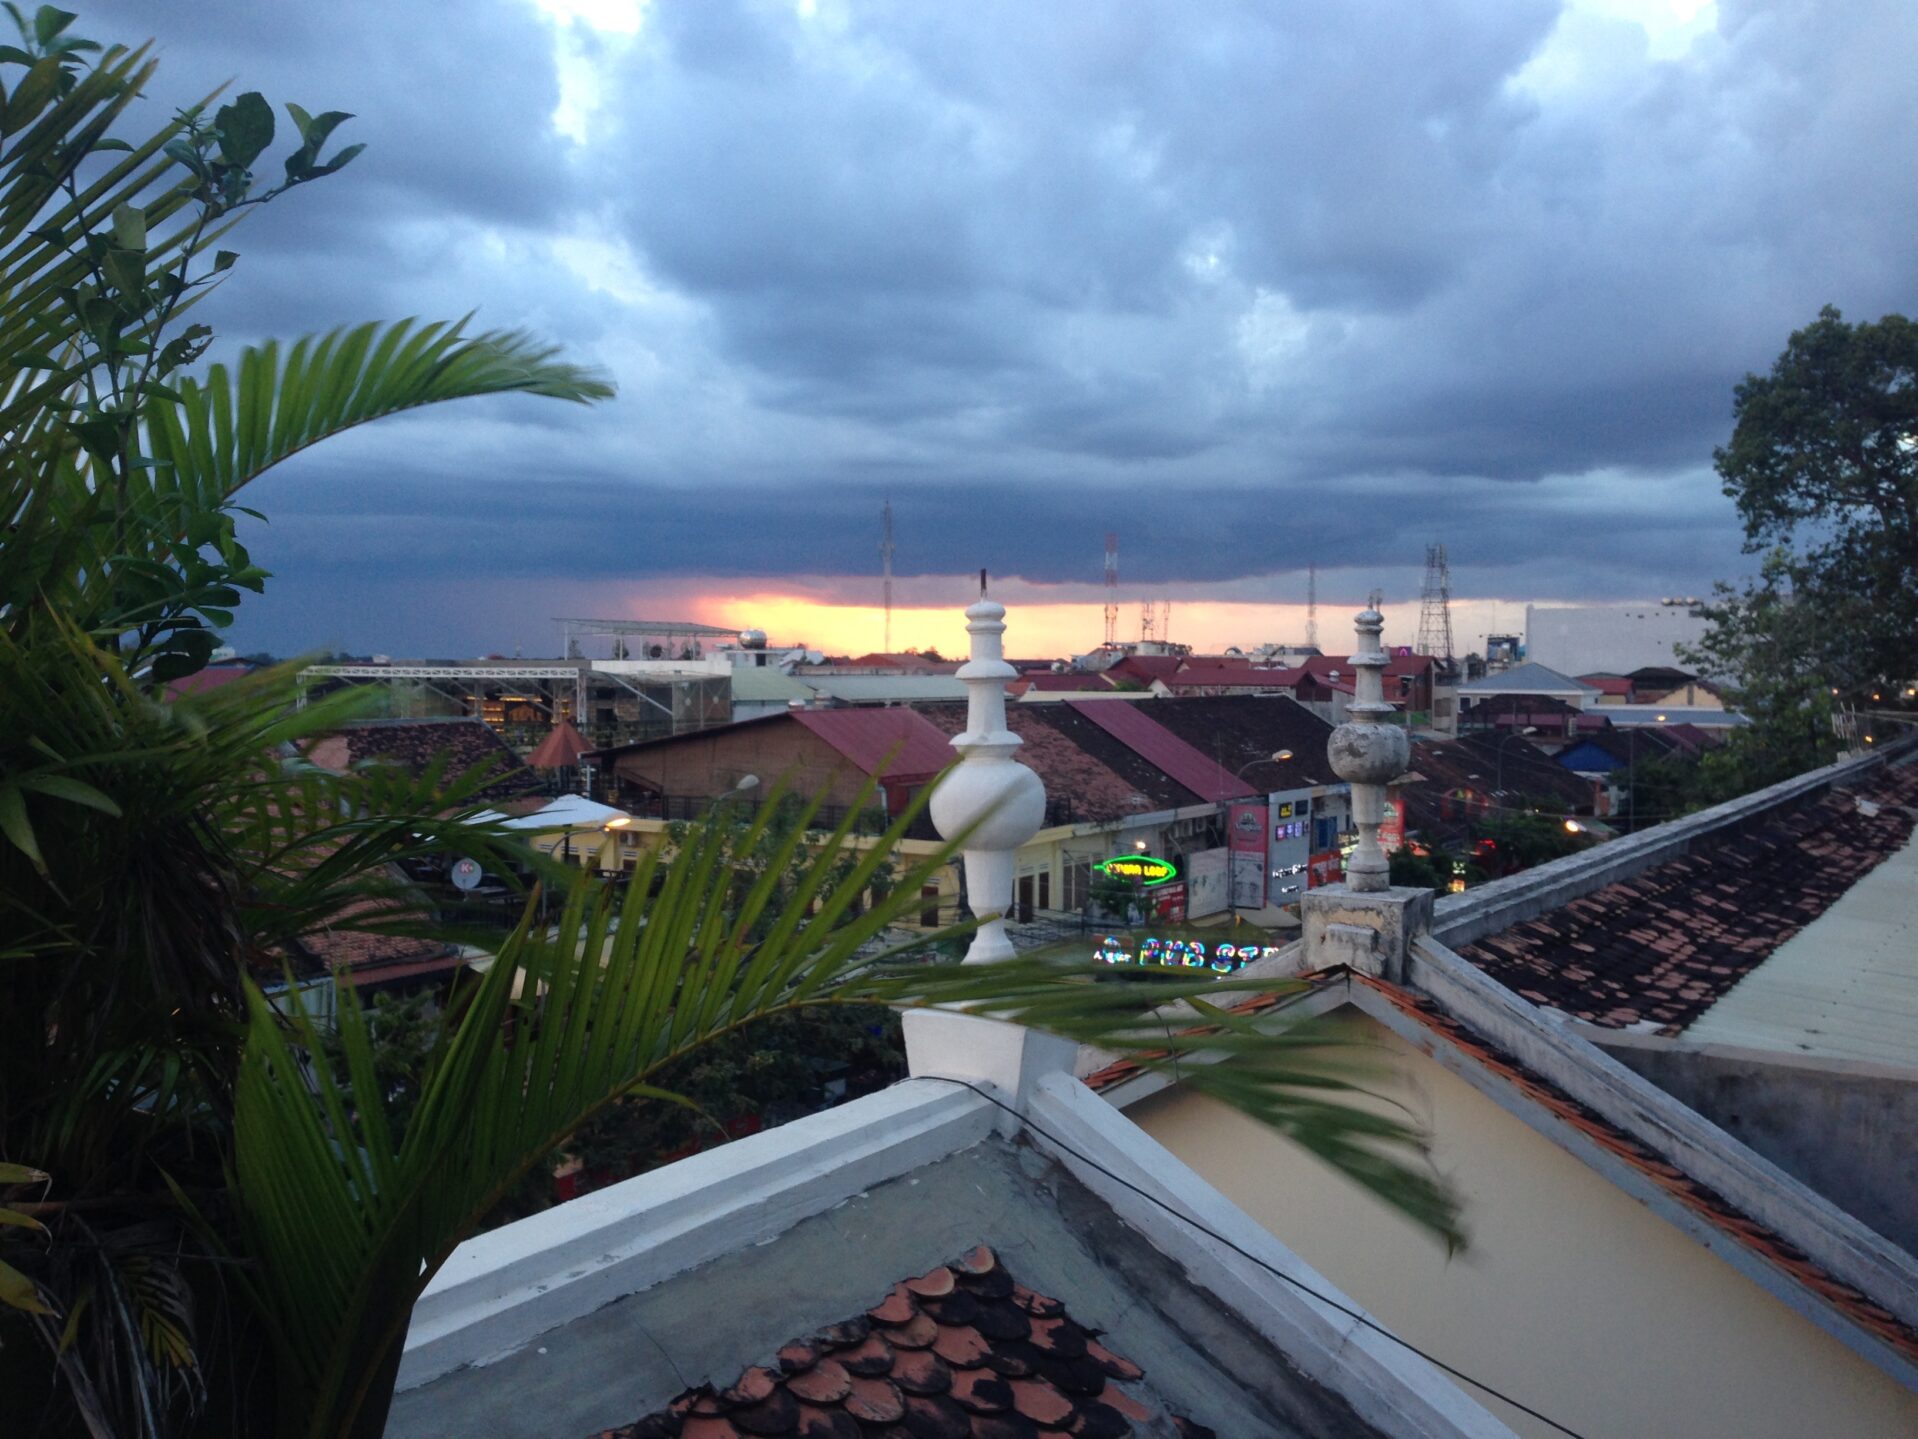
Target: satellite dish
(466, 874)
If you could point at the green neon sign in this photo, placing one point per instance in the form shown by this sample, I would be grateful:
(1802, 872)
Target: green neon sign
(1144, 869)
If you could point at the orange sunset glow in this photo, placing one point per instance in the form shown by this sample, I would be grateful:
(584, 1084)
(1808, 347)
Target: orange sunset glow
(1041, 629)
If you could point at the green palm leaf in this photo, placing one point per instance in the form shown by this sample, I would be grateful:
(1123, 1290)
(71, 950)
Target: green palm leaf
(349, 1226)
(239, 422)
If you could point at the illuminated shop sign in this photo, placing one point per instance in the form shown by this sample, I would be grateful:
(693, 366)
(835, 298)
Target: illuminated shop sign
(1292, 809)
(1186, 953)
(1143, 868)
(1289, 829)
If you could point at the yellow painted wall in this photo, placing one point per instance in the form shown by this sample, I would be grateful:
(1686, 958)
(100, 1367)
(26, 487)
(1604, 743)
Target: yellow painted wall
(1572, 1297)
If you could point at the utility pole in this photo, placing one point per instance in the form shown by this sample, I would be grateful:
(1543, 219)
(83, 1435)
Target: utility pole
(885, 556)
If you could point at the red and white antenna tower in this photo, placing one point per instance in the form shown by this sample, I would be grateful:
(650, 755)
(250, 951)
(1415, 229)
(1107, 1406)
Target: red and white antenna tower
(1112, 589)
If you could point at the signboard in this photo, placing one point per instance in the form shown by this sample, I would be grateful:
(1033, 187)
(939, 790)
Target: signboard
(1167, 901)
(1289, 846)
(1392, 829)
(1207, 883)
(1143, 869)
(1245, 837)
(1187, 953)
(1326, 867)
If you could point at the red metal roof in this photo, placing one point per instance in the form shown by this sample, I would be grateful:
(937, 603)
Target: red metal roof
(561, 748)
(1241, 678)
(210, 678)
(1153, 742)
(899, 741)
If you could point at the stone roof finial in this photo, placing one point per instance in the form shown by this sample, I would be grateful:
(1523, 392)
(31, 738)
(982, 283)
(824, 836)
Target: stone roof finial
(989, 792)
(1369, 753)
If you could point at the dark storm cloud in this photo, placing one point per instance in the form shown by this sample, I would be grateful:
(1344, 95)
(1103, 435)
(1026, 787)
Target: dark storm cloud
(1244, 282)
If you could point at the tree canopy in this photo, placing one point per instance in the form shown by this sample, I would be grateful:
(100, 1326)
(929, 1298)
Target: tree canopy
(1823, 467)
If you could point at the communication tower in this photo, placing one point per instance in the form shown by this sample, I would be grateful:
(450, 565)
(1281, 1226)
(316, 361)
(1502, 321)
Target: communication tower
(1435, 606)
(1311, 607)
(1148, 622)
(1112, 589)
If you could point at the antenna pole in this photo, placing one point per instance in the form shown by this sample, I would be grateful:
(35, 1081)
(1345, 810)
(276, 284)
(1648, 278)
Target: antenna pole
(1112, 590)
(1312, 607)
(885, 556)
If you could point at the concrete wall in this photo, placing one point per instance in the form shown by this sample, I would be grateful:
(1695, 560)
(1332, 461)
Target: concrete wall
(1845, 1129)
(1614, 639)
(1573, 1296)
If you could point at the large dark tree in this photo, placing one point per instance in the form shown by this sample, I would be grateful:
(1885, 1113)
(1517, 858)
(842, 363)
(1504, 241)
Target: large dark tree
(1823, 466)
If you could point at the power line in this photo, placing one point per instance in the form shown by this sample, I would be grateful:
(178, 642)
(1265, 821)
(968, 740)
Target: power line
(1214, 1235)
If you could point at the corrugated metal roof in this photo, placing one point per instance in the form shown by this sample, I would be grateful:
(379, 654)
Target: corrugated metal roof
(1156, 744)
(901, 741)
(885, 689)
(1527, 679)
(1843, 987)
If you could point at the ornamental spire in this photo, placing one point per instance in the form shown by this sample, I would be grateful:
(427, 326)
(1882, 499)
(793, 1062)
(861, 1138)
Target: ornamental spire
(1369, 753)
(988, 795)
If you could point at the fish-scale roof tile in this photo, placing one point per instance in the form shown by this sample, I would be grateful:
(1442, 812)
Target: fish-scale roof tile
(962, 1352)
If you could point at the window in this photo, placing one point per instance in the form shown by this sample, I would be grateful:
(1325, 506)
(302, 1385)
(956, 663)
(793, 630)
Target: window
(1045, 889)
(929, 906)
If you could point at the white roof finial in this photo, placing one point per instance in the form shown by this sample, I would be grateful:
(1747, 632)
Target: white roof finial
(989, 793)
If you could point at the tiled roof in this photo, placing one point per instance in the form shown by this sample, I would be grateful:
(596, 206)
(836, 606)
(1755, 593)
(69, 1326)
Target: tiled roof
(416, 744)
(1141, 774)
(1139, 732)
(1091, 789)
(1664, 945)
(561, 748)
(1236, 730)
(964, 1352)
(899, 741)
(1704, 1202)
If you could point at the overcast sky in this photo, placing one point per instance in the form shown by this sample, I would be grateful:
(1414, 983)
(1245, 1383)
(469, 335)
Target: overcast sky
(1250, 284)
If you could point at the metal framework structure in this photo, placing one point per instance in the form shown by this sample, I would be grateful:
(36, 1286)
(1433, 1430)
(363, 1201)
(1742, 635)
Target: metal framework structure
(433, 676)
(1112, 590)
(1435, 606)
(673, 639)
(1312, 607)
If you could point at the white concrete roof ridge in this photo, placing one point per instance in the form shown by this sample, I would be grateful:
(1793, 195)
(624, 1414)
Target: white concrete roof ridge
(1461, 919)
(502, 1289)
(1387, 1384)
(1833, 1239)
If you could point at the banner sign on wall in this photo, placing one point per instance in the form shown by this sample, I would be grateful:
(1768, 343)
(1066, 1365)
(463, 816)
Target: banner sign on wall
(1245, 830)
(1208, 883)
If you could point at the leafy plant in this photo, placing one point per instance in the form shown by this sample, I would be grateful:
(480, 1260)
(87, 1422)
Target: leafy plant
(350, 1220)
(152, 854)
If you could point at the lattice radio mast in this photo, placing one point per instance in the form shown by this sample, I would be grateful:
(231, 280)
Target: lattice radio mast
(1148, 622)
(1112, 589)
(1435, 606)
(885, 557)
(1311, 607)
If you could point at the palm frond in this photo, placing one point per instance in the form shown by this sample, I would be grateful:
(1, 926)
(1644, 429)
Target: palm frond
(349, 1226)
(237, 423)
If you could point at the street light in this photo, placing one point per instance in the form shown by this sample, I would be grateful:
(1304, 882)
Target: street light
(1498, 774)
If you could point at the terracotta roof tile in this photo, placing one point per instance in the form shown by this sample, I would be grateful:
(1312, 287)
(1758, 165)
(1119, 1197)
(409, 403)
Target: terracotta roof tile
(1666, 944)
(961, 1352)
